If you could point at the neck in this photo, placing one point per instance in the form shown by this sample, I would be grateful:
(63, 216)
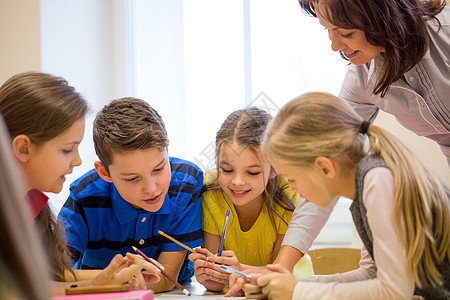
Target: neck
(347, 184)
(249, 213)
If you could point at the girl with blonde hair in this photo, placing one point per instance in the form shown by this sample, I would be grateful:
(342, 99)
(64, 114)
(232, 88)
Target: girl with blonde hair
(400, 209)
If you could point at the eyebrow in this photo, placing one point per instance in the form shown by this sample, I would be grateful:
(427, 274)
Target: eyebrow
(158, 165)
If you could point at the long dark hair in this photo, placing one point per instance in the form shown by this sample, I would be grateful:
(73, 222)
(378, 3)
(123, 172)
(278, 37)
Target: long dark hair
(396, 25)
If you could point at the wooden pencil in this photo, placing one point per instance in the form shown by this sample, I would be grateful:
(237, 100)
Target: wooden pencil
(185, 291)
(175, 241)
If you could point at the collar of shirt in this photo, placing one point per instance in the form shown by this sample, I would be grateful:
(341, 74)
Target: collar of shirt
(126, 213)
(36, 200)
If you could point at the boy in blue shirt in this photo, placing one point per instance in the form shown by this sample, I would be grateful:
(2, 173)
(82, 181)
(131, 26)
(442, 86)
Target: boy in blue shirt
(135, 190)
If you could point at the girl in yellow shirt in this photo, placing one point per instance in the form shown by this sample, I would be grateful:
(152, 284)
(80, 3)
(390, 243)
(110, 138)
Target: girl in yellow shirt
(259, 200)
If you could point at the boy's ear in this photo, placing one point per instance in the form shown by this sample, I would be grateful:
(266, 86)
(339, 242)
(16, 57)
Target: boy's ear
(325, 166)
(22, 147)
(102, 172)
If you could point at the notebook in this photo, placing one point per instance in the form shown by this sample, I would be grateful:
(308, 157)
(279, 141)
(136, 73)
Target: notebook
(127, 295)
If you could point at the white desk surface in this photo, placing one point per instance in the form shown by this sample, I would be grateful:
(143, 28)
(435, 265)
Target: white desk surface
(197, 291)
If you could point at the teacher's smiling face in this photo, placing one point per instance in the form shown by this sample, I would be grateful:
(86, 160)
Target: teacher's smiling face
(352, 43)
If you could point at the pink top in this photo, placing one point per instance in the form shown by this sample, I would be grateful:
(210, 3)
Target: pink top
(389, 278)
(36, 200)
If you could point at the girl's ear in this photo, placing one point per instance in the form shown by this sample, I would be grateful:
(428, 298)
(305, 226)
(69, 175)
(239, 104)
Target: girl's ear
(102, 172)
(325, 166)
(22, 147)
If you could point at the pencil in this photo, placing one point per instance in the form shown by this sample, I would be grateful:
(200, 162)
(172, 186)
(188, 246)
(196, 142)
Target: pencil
(235, 272)
(175, 241)
(185, 291)
(224, 233)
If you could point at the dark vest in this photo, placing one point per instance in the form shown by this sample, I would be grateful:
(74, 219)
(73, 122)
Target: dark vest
(359, 214)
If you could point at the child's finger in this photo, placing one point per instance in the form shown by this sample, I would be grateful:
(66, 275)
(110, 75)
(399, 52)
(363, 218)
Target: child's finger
(125, 274)
(151, 278)
(137, 259)
(203, 251)
(195, 256)
(218, 276)
(107, 273)
(251, 288)
(235, 283)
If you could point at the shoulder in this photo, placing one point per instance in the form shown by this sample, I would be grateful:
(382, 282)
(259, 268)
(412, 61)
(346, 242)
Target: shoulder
(90, 184)
(439, 34)
(183, 170)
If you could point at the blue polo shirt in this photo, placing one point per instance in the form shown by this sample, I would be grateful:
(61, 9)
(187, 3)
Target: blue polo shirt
(99, 223)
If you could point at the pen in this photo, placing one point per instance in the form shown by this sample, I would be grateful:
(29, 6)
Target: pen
(235, 272)
(185, 291)
(175, 241)
(224, 232)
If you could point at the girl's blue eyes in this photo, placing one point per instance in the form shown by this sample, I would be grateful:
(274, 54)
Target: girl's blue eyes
(347, 35)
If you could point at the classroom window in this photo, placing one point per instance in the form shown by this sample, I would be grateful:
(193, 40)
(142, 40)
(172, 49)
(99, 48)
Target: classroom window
(197, 61)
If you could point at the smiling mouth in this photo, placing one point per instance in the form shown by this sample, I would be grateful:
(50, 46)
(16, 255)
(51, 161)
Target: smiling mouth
(239, 193)
(350, 54)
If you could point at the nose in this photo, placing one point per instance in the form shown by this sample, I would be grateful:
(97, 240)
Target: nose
(238, 180)
(149, 186)
(77, 159)
(336, 41)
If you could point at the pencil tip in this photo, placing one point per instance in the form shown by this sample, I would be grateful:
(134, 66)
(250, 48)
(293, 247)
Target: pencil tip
(134, 248)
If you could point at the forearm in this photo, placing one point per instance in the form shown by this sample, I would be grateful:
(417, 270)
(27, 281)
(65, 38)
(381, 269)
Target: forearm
(288, 257)
(85, 274)
(59, 287)
(162, 286)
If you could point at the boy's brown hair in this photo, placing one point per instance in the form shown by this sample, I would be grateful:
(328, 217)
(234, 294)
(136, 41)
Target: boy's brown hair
(127, 124)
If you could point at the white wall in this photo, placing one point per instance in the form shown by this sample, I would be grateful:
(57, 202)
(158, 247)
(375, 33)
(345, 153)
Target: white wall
(19, 35)
(86, 42)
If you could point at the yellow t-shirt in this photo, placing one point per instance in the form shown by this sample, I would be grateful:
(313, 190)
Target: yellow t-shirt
(255, 246)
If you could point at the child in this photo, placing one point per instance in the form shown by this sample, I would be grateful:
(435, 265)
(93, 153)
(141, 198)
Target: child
(135, 190)
(20, 247)
(401, 211)
(397, 50)
(259, 201)
(45, 118)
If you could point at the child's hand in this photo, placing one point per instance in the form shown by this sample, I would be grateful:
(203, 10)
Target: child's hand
(227, 258)
(278, 284)
(202, 253)
(121, 270)
(237, 283)
(151, 272)
(211, 279)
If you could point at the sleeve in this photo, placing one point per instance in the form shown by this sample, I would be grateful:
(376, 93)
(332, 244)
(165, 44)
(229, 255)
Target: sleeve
(354, 91)
(306, 223)
(392, 280)
(73, 219)
(187, 224)
(211, 209)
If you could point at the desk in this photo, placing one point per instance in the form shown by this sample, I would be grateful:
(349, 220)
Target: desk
(197, 291)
